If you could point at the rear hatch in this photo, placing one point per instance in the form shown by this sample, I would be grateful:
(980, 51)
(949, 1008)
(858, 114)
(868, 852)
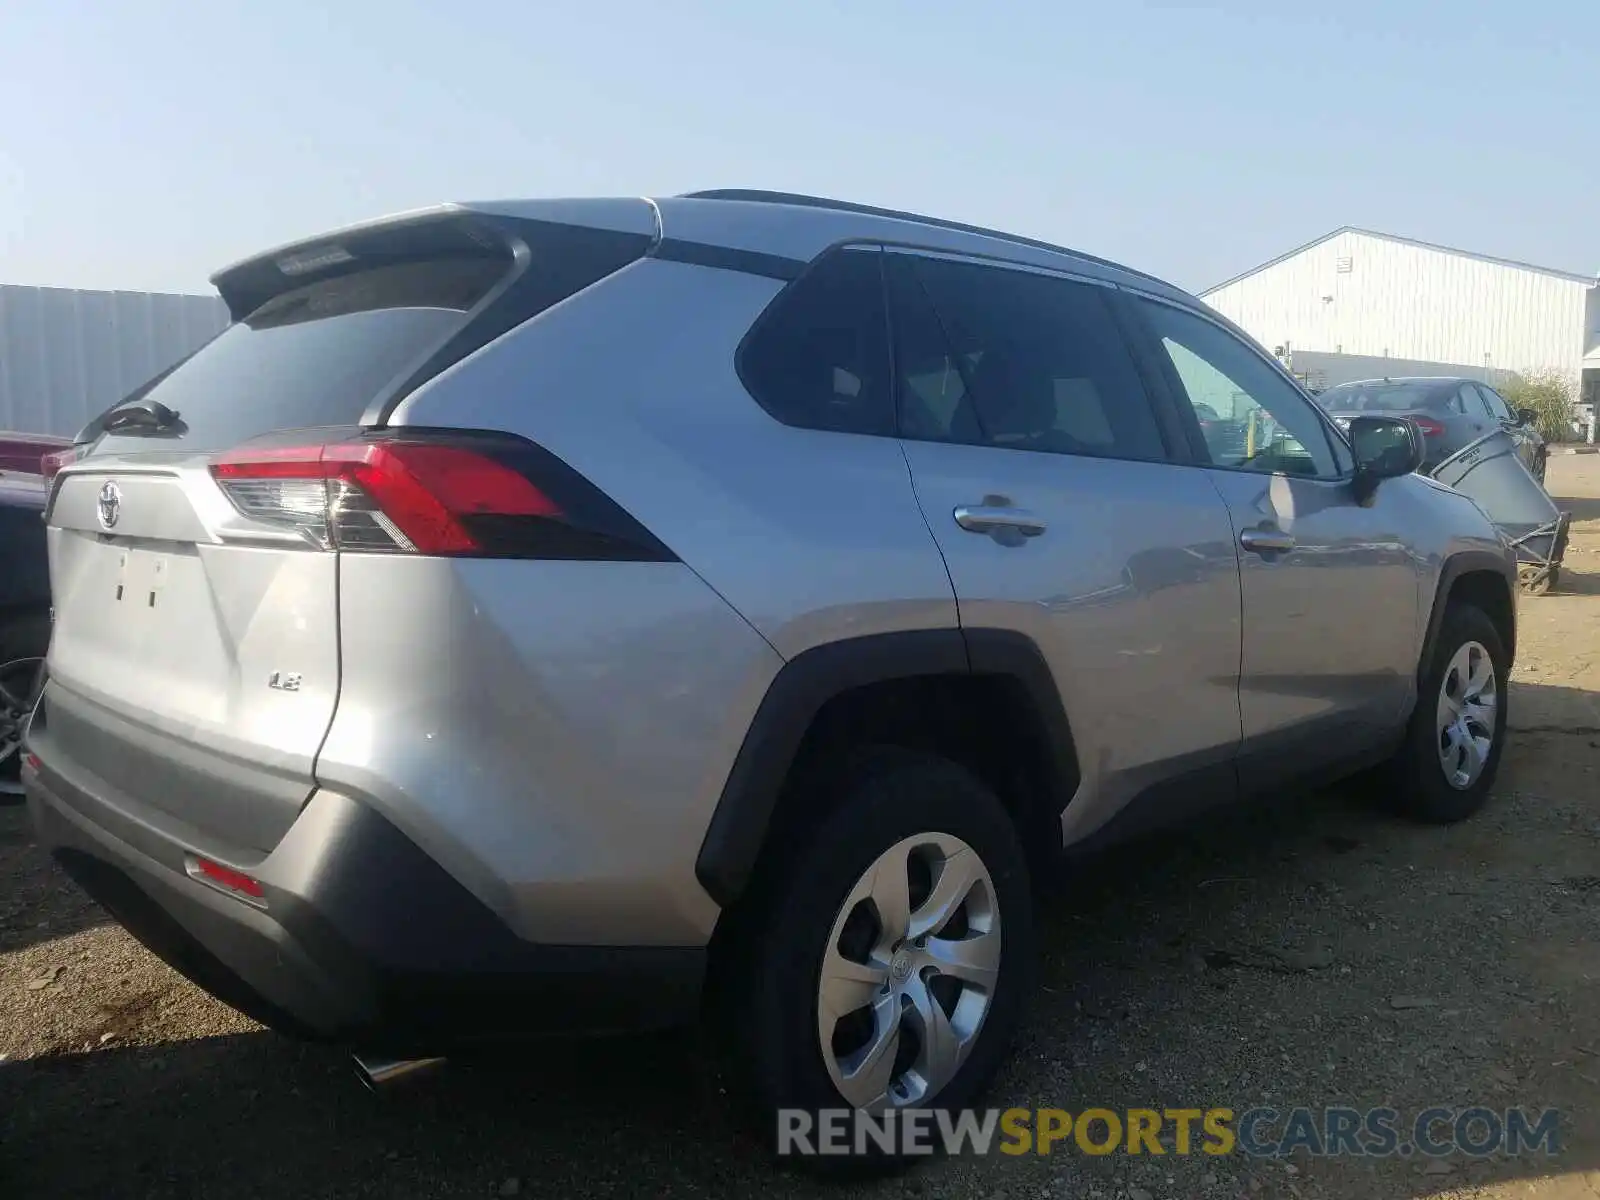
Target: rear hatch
(195, 661)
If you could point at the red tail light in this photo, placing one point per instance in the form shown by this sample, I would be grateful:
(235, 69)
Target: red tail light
(50, 464)
(1429, 426)
(436, 494)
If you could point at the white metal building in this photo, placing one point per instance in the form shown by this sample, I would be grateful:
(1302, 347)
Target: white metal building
(67, 355)
(1364, 295)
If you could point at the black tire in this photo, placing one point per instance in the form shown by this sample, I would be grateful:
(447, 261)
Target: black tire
(883, 797)
(23, 639)
(1416, 783)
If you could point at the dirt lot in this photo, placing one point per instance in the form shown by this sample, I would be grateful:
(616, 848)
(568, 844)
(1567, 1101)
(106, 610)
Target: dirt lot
(1256, 961)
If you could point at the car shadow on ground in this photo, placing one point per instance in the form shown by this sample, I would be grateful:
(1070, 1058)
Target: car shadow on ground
(1582, 508)
(1257, 957)
(38, 902)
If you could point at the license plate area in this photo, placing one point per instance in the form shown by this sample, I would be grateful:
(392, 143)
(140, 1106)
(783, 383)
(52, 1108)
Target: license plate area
(141, 576)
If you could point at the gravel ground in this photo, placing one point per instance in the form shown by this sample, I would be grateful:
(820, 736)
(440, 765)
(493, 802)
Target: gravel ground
(1258, 960)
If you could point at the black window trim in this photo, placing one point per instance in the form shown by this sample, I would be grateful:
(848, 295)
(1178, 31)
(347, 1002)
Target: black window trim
(1150, 345)
(1175, 450)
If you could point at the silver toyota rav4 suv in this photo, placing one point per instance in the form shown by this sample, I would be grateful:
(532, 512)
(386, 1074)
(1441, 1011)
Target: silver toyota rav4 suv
(542, 616)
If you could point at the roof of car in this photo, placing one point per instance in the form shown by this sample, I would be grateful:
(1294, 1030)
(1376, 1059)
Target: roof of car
(1439, 379)
(784, 225)
(799, 200)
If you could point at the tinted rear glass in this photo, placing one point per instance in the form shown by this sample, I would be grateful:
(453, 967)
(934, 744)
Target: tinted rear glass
(819, 357)
(388, 311)
(1386, 397)
(317, 355)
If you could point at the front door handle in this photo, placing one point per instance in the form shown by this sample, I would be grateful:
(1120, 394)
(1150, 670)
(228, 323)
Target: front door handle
(998, 518)
(1266, 541)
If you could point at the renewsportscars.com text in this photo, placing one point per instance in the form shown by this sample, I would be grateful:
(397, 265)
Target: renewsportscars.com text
(1474, 1131)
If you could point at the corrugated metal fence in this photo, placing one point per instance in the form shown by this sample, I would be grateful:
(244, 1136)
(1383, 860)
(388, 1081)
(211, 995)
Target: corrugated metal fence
(66, 355)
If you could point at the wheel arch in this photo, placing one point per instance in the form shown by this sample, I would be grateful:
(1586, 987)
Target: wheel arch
(930, 678)
(1480, 578)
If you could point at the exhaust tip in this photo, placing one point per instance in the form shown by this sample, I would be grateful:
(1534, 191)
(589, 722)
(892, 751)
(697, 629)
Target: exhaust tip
(375, 1073)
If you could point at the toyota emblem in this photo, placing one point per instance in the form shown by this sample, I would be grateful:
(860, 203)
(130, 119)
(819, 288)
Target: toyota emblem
(110, 506)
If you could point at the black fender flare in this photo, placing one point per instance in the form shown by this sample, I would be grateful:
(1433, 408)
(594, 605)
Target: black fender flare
(738, 828)
(1466, 562)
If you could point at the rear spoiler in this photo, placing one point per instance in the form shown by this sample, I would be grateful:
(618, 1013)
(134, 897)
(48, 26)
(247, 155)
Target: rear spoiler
(249, 283)
(447, 229)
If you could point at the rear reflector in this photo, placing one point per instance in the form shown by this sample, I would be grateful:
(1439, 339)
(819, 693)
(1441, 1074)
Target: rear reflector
(31, 761)
(226, 878)
(432, 493)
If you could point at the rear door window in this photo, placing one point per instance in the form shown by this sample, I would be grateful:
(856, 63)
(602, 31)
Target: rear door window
(1014, 359)
(818, 358)
(1472, 401)
(1498, 408)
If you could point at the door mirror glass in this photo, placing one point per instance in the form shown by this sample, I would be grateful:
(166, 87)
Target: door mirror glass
(1526, 416)
(1384, 448)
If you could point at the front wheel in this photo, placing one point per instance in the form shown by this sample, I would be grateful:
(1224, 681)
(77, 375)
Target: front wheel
(1457, 732)
(888, 968)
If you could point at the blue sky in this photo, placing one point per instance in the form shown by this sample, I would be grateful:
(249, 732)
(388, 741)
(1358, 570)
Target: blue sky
(142, 145)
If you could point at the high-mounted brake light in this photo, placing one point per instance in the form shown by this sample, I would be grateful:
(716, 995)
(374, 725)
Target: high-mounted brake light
(435, 494)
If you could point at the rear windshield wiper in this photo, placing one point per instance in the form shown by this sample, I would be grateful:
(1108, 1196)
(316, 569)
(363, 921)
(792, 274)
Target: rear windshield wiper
(143, 416)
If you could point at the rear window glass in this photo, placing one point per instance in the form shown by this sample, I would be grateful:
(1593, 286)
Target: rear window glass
(388, 311)
(1388, 397)
(317, 355)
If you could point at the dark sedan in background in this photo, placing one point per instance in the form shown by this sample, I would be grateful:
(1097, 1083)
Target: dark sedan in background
(1451, 412)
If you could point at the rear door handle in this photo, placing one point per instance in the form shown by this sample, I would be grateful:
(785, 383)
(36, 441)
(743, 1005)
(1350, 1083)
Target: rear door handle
(1266, 541)
(993, 518)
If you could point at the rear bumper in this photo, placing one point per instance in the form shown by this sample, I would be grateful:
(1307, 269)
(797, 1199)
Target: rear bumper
(359, 937)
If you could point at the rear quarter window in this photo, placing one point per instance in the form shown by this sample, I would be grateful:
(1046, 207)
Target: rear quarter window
(818, 357)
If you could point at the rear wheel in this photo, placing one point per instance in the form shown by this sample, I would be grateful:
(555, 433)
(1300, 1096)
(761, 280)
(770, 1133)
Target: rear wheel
(23, 641)
(1457, 732)
(887, 966)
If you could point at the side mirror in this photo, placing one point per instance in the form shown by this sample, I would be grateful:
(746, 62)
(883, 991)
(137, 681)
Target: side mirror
(1526, 416)
(1384, 448)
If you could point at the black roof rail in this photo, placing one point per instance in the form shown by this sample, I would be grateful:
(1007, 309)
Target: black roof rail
(757, 196)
